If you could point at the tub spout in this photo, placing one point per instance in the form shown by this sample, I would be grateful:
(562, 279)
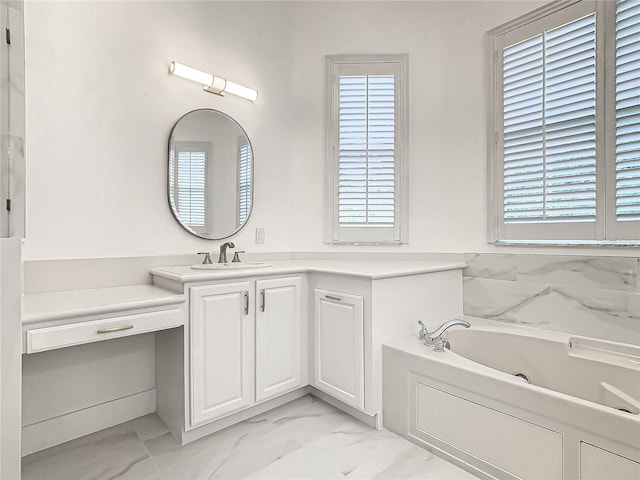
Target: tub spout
(435, 338)
(445, 326)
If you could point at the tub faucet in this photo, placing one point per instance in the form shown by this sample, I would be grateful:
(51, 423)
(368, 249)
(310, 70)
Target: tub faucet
(435, 338)
(223, 251)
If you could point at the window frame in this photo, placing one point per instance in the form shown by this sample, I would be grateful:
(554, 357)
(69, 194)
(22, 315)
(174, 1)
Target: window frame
(606, 230)
(624, 231)
(366, 65)
(190, 147)
(244, 189)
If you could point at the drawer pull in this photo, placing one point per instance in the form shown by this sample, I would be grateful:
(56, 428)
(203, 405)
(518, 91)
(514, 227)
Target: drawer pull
(331, 297)
(115, 329)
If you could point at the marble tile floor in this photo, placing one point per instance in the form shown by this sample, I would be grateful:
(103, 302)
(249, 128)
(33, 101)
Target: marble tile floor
(305, 439)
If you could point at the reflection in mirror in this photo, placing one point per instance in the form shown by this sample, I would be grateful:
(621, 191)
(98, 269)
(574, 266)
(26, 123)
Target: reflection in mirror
(210, 174)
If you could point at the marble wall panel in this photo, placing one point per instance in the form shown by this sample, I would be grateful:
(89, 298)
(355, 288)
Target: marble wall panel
(610, 273)
(590, 296)
(499, 299)
(488, 265)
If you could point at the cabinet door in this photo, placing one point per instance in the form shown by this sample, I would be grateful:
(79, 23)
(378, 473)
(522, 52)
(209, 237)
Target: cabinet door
(278, 337)
(222, 355)
(339, 346)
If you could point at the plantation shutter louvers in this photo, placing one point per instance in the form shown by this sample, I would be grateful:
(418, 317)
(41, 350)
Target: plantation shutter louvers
(366, 177)
(245, 174)
(549, 129)
(627, 111)
(188, 174)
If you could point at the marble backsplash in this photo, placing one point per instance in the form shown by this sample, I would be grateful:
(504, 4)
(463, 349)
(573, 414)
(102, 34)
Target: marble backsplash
(590, 296)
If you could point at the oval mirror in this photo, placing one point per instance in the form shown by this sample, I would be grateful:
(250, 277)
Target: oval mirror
(210, 174)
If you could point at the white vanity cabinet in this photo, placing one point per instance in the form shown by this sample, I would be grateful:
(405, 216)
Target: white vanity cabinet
(259, 338)
(353, 315)
(279, 337)
(339, 346)
(246, 345)
(222, 355)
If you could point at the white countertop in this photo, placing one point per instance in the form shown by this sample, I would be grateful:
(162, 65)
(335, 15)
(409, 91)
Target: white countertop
(371, 269)
(45, 307)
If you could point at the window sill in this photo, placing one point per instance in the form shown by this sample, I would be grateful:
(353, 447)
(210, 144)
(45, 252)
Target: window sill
(568, 243)
(366, 243)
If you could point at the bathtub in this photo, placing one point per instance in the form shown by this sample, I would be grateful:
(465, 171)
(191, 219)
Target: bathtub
(513, 402)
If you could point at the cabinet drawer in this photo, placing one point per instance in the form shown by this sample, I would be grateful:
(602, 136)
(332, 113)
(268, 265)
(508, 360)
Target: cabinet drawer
(50, 338)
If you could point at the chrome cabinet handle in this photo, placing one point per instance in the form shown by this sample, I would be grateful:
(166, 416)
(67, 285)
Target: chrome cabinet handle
(264, 301)
(246, 303)
(331, 297)
(115, 329)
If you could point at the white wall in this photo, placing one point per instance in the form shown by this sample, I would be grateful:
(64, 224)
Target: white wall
(448, 75)
(100, 106)
(10, 366)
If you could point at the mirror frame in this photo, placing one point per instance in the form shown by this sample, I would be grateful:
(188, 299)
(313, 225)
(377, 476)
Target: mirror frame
(171, 207)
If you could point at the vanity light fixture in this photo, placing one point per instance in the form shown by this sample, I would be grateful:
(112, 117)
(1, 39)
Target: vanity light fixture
(211, 83)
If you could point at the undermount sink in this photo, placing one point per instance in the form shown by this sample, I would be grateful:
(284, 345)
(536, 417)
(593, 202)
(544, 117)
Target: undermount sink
(230, 266)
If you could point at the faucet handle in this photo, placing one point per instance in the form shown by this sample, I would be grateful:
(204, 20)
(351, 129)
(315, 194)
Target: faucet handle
(236, 258)
(439, 344)
(424, 333)
(207, 258)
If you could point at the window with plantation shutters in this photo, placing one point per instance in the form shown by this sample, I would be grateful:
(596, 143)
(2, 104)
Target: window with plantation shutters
(549, 126)
(245, 175)
(562, 173)
(627, 112)
(187, 172)
(366, 140)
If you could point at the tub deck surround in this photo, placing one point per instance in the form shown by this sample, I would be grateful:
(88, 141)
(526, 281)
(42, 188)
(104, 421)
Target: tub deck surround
(526, 420)
(603, 372)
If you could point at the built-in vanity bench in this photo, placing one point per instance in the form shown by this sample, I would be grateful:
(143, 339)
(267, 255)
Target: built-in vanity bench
(261, 337)
(57, 320)
(225, 345)
(63, 319)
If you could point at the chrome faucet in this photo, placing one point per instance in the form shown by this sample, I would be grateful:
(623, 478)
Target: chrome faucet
(435, 338)
(223, 251)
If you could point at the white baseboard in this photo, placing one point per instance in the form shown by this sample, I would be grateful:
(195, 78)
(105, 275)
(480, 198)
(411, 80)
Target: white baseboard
(55, 431)
(372, 420)
(207, 429)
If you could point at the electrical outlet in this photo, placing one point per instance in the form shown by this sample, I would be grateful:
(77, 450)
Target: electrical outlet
(259, 236)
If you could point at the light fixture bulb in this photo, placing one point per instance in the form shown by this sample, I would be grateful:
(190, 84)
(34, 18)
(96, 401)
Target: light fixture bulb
(211, 83)
(241, 91)
(190, 73)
